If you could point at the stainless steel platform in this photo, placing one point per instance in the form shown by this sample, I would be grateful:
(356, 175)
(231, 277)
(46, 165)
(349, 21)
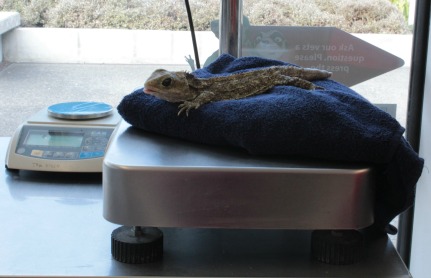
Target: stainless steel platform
(152, 180)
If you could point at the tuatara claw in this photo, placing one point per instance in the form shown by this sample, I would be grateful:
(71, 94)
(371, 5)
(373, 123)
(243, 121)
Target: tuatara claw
(186, 106)
(182, 109)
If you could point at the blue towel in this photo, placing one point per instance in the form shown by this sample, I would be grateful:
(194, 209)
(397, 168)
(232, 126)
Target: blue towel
(331, 124)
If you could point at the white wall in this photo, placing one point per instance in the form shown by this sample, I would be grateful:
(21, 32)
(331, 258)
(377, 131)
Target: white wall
(117, 46)
(420, 265)
(110, 46)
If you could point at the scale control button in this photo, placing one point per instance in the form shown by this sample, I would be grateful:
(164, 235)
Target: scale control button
(96, 140)
(20, 150)
(99, 140)
(93, 148)
(38, 153)
(58, 154)
(48, 154)
(91, 154)
(70, 155)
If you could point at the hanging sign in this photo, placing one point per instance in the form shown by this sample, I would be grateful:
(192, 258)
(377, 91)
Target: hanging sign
(350, 59)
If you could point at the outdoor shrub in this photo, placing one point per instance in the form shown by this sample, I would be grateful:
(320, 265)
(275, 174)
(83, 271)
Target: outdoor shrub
(366, 16)
(293, 13)
(33, 12)
(373, 16)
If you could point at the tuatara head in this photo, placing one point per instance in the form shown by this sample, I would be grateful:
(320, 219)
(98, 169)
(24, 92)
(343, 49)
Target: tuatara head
(172, 86)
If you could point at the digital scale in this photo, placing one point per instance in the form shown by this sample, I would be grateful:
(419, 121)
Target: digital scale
(65, 137)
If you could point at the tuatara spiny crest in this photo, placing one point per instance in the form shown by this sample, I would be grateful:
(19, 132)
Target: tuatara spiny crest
(192, 92)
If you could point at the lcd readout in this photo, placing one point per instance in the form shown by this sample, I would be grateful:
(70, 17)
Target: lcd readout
(54, 139)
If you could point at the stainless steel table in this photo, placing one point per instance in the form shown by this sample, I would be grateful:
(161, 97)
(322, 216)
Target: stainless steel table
(52, 225)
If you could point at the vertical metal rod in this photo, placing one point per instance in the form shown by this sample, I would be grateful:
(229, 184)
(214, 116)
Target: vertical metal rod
(192, 31)
(230, 27)
(414, 113)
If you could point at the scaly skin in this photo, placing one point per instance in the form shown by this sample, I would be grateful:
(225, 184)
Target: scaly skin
(193, 92)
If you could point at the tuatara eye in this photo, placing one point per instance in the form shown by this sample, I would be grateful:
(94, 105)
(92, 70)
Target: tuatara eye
(167, 82)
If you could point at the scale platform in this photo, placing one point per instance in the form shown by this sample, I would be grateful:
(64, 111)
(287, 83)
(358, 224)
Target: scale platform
(156, 181)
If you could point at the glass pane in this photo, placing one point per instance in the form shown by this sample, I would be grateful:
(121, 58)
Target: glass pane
(372, 56)
(366, 44)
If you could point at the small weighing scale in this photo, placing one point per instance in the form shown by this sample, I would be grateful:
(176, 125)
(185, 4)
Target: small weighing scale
(65, 137)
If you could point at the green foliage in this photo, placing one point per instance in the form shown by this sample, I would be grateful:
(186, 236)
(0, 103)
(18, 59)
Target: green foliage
(366, 16)
(403, 6)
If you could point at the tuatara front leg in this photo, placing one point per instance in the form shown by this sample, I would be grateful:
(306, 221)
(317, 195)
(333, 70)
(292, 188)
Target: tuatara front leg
(203, 98)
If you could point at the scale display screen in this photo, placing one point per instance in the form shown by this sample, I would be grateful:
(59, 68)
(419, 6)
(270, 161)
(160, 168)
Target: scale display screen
(54, 139)
(63, 143)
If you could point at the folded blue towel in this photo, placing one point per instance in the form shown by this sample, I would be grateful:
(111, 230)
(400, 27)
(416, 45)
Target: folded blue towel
(332, 124)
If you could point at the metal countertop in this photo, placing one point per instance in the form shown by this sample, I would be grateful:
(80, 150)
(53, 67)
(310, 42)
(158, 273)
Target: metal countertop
(52, 225)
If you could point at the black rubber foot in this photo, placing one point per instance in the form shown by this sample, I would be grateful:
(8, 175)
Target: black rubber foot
(136, 245)
(341, 247)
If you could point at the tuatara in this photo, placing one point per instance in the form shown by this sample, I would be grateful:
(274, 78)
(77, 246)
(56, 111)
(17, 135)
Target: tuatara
(179, 86)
